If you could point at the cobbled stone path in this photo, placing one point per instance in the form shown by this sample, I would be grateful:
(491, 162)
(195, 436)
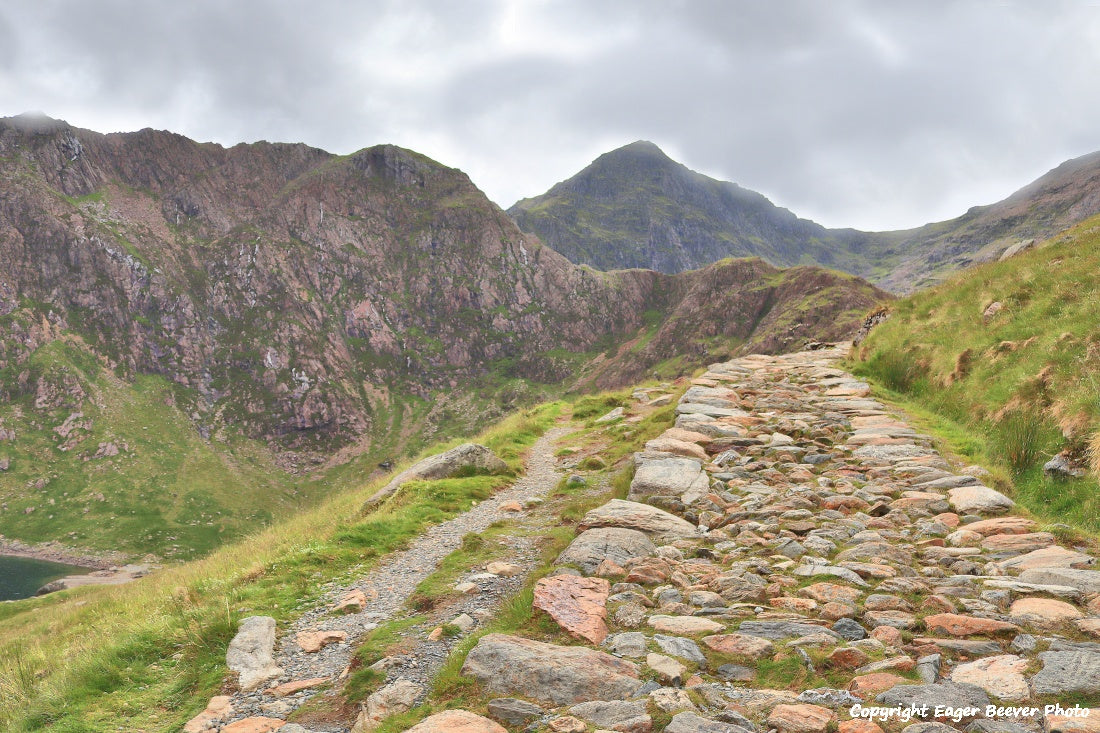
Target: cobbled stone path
(790, 529)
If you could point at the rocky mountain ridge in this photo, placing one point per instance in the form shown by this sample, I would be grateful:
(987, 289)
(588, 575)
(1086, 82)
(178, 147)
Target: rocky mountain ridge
(636, 207)
(326, 305)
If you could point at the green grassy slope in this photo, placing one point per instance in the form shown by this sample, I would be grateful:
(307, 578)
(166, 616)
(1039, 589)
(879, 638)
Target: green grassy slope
(1023, 383)
(148, 655)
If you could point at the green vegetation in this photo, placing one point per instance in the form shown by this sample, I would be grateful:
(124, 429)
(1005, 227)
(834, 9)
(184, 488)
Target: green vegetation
(146, 656)
(1007, 387)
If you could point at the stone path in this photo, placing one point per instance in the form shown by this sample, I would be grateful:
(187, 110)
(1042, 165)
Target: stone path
(829, 543)
(792, 530)
(385, 591)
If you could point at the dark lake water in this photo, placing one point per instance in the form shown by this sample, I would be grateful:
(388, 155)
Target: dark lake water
(20, 577)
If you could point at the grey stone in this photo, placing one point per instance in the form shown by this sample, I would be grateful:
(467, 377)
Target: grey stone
(549, 673)
(678, 646)
(1068, 671)
(251, 653)
(776, 630)
(736, 673)
(668, 475)
(614, 714)
(828, 697)
(949, 694)
(849, 629)
(928, 668)
(1024, 643)
(1087, 581)
(689, 722)
(659, 525)
(593, 546)
(627, 644)
(465, 457)
(612, 416)
(512, 711)
(396, 697)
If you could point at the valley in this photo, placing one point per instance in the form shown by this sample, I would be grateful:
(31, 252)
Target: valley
(709, 508)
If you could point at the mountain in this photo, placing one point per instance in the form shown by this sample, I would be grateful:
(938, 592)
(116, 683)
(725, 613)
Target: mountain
(179, 319)
(635, 207)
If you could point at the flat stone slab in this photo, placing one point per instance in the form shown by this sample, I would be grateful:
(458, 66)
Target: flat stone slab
(456, 721)
(561, 675)
(776, 630)
(981, 499)
(659, 525)
(1068, 671)
(688, 722)
(668, 476)
(617, 544)
(578, 605)
(1000, 676)
(947, 694)
(1048, 557)
(1087, 581)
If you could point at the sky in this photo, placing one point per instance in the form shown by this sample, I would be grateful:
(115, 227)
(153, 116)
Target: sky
(874, 115)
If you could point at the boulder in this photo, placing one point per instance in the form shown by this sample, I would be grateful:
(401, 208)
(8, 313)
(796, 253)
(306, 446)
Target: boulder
(396, 697)
(468, 457)
(1043, 613)
(593, 546)
(958, 625)
(666, 475)
(658, 525)
(549, 673)
(979, 499)
(578, 605)
(251, 653)
(456, 721)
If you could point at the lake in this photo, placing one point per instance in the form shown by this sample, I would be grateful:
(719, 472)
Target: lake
(20, 577)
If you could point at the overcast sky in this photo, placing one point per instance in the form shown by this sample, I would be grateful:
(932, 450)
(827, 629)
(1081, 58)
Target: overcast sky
(877, 115)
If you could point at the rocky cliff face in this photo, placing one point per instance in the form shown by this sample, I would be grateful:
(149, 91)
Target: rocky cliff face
(635, 207)
(293, 293)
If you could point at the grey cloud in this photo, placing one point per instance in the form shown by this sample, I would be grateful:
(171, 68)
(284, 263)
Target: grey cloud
(852, 112)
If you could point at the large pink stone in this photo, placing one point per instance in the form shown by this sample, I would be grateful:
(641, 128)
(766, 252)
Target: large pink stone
(578, 605)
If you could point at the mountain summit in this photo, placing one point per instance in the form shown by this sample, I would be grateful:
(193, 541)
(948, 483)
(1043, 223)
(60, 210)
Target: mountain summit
(636, 207)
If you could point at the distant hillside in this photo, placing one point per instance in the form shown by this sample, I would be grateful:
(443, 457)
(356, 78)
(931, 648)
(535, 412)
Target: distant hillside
(1008, 353)
(635, 207)
(178, 319)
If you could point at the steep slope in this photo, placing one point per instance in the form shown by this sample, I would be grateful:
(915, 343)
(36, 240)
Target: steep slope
(328, 306)
(1006, 354)
(635, 207)
(1056, 201)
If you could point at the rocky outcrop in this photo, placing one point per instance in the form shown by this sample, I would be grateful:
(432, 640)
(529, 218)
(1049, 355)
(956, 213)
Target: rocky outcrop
(468, 459)
(393, 278)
